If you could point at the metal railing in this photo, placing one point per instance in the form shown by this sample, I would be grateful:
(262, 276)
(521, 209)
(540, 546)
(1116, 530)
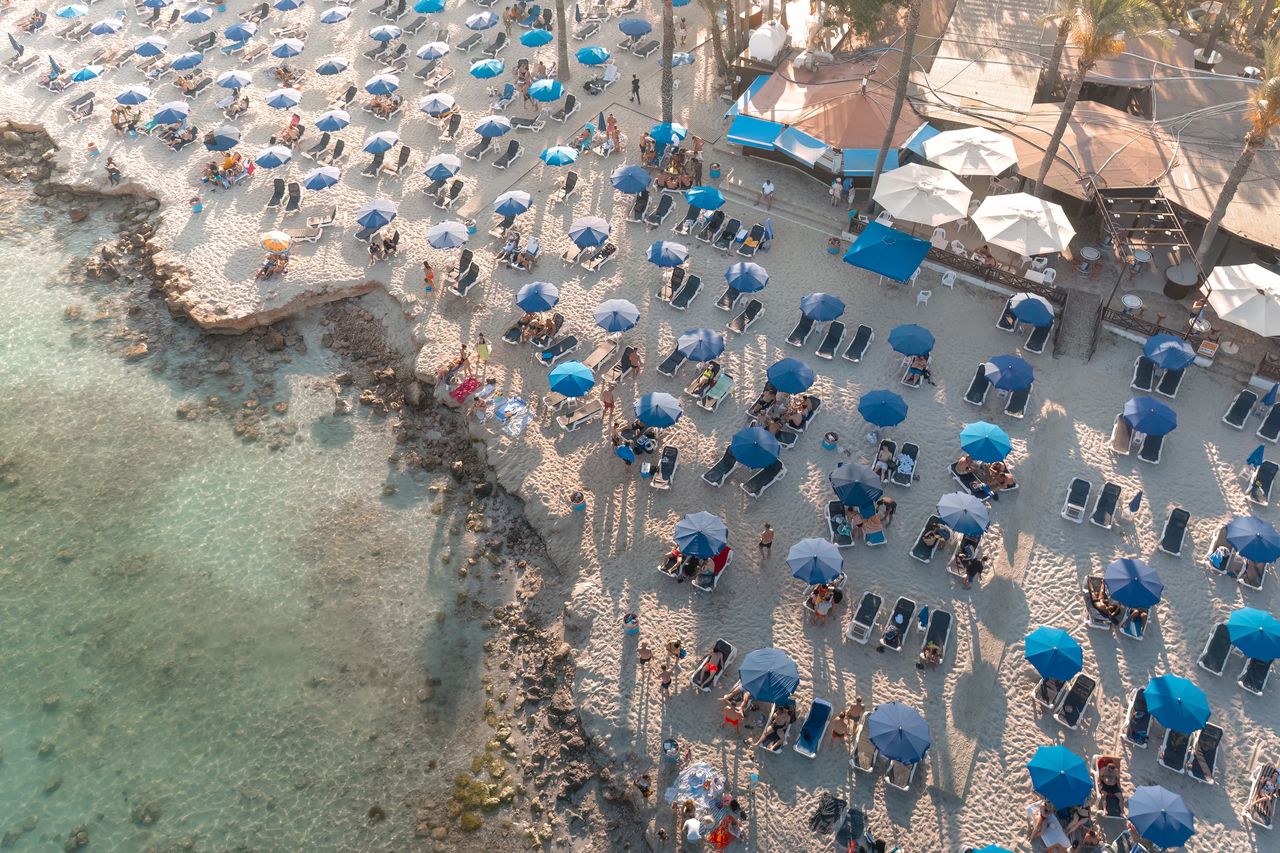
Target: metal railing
(1134, 323)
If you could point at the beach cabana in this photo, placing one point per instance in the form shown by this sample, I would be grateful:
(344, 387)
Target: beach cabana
(887, 252)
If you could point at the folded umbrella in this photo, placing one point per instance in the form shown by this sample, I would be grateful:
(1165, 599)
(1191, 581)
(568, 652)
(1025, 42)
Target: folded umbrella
(589, 231)
(755, 447)
(790, 376)
(538, 296)
(1269, 399)
(442, 167)
(856, 485)
(1257, 457)
(572, 379)
(375, 213)
(985, 442)
(701, 534)
(630, 179)
(882, 408)
(536, 38)
(1133, 583)
(1055, 654)
(665, 253)
(964, 513)
(1009, 373)
(333, 120)
(1253, 538)
(1146, 414)
(768, 675)
(899, 732)
(1177, 703)
(1060, 776)
(910, 339)
(1160, 816)
(512, 203)
(1169, 352)
(821, 307)
(1255, 632)
(815, 561)
(746, 277)
(321, 178)
(616, 315)
(700, 344)
(705, 198)
(1032, 309)
(450, 234)
(658, 409)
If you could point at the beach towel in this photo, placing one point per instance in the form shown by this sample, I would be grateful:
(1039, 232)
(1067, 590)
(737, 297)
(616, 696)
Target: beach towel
(830, 808)
(463, 391)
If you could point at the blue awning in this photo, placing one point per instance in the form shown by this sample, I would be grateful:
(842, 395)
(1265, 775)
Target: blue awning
(752, 132)
(752, 90)
(915, 142)
(861, 162)
(800, 146)
(886, 251)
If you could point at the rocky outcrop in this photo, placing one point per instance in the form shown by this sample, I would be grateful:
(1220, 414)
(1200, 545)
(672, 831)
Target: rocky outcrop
(219, 319)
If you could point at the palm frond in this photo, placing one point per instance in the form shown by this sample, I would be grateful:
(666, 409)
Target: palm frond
(1099, 28)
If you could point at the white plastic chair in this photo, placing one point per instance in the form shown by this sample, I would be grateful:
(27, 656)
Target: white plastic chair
(940, 236)
(1039, 263)
(1049, 274)
(915, 277)
(922, 298)
(885, 218)
(949, 279)
(957, 248)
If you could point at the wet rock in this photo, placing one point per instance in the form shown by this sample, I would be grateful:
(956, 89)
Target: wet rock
(45, 749)
(273, 341)
(133, 352)
(388, 489)
(53, 784)
(280, 408)
(376, 814)
(483, 490)
(51, 702)
(78, 214)
(343, 377)
(413, 394)
(72, 312)
(78, 837)
(470, 821)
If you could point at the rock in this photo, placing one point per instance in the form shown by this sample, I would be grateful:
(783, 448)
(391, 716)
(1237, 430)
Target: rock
(53, 784)
(440, 833)
(78, 214)
(470, 821)
(341, 406)
(51, 702)
(483, 490)
(11, 137)
(388, 489)
(376, 814)
(79, 837)
(273, 341)
(45, 749)
(72, 312)
(133, 352)
(280, 408)
(413, 394)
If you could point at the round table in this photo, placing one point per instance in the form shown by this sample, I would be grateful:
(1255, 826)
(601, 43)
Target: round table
(1088, 255)
(1132, 302)
(1180, 280)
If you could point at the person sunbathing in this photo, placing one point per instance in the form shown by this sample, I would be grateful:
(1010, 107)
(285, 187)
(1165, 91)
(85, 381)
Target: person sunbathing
(33, 22)
(919, 370)
(964, 465)
(182, 140)
(931, 654)
(1049, 690)
(884, 462)
(1104, 605)
(528, 256)
(672, 560)
(973, 566)
(706, 674)
(782, 717)
(766, 400)
(187, 83)
(797, 416)
(706, 379)
(237, 108)
(1109, 787)
(511, 246)
(582, 141)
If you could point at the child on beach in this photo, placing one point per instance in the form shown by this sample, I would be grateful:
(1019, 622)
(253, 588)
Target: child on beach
(664, 680)
(428, 277)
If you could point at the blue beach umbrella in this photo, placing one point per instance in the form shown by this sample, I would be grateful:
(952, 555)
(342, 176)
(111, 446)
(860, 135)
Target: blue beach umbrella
(1032, 309)
(992, 848)
(1177, 703)
(286, 5)
(559, 155)
(1009, 373)
(72, 10)
(224, 138)
(964, 513)
(382, 84)
(385, 33)
(450, 234)
(882, 408)
(1060, 776)
(572, 379)
(1055, 654)
(814, 560)
(669, 132)
(1169, 352)
(1161, 816)
(381, 142)
(821, 307)
(769, 675)
(665, 253)
(536, 38)
(234, 79)
(1257, 457)
(198, 15)
(538, 296)
(512, 203)
(1269, 399)
(635, 27)
(547, 90)
(335, 15)
(707, 198)
(1133, 583)
(134, 95)
(1253, 538)
(333, 120)
(375, 213)
(856, 485)
(746, 277)
(187, 61)
(678, 3)
(790, 376)
(428, 7)
(755, 447)
(625, 453)
(171, 113)
(658, 409)
(678, 60)
(442, 167)
(437, 103)
(321, 178)
(701, 344)
(151, 46)
(273, 157)
(157, 4)
(1149, 415)
(592, 55)
(630, 179)
(240, 32)
(284, 99)
(910, 339)
(1255, 632)
(331, 65)
(481, 21)
(985, 442)
(89, 72)
(108, 26)
(433, 50)
(287, 48)
(616, 315)
(589, 231)
(702, 534)
(899, 732)
(491, 126)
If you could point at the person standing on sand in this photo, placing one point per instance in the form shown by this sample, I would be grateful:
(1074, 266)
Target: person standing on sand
(483, 351)
(766, 541)
(644, 653)
(732, 715)
(606, 400)
(113, 172)
(635, 88)
(428, 277)
(664, 680)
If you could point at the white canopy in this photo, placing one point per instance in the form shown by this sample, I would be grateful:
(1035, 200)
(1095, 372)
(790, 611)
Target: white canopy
(923, 194)
(1022, 223)
(1247, 296)
(972, 151)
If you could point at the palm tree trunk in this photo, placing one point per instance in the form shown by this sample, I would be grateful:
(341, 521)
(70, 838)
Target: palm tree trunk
(1214, 31)
(562, 43)
(1260, 18)
(900, 94)
(1252, 142)
(731, 26)
(1052, 73)
(717, 39)
(1051, 151)
(783, 9)
(668, 48)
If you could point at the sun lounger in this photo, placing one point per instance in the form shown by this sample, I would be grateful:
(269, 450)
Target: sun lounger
(749, 315)
(707, 232)
(901, 477)
(724, 241)
(603, 351)
(899, 624)
(1037, 339)
(660, 212)
(277, 193)
(1269, 429)
(1016, 407)
(865, 754)
(476, 152)
(445, 200)
(622, 369)
(1007, 322)
(1121, 436)
(978, 387)
(644, 49)
(331, 158)
(1204, 753)
(329, 217)
(1144, 374)
(665, 472)
(496, 46)
(899, 775)
(469, 42)
(305, 235)
(800, 334)
(685, 295)
(841, 533)
(567, 187)
(719, 390)
(831, 340)
(771, 740)
(920, 551)
(1172, 754)
(509, 156)
(556, 351)
(1240, 408)
(970, 483)
(872, 538)
(672, 363)
(603, 255)
(814, 729)
(469, 278)
(671, 283)
(703, 678)
(938, 632)
(1250, 574)
(586, 31)
(1047, 693)
(764, 478)
(1259, 491)
(1254, 676)
(753, 241)
(685, 225)
(1075, 700)
(1152, 447)
(1137, 725)
(858, 346)
(566, 109)
(718, 473)
(1108, 805)
(728, 299)
(1095, 589)
(538, 122)
(1169, 383)
(1263, 785)
(1104, 508)
(635, 213)
(293, 197)
(1216, 651)
(585, 415)
(1133, 625)
(864, 618)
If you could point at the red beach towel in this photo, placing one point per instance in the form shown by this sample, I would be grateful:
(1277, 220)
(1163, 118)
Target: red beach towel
(463, 391)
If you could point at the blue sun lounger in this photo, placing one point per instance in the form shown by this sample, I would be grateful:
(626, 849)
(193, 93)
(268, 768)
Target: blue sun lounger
(814, 730)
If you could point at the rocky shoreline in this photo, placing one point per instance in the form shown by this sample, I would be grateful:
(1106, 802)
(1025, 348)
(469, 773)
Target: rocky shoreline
(539, 778)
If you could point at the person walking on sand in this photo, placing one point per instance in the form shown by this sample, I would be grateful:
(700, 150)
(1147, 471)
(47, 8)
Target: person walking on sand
(675, 650)
(766, 542)
(684, 31)
(766, 194)
(606, 400)
(635, 88)
(428, 277)
(836, 192)
(664, 680)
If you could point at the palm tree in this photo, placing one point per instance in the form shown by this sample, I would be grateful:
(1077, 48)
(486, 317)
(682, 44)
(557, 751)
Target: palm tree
(900, 95)
(1216, 30)
(1062, 16)
(668, 48)
(1264, 116)
(1097, 30)
(562, 46)
(717, 40)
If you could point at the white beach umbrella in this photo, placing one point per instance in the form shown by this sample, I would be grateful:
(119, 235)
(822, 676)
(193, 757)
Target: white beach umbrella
(1247, 296)
(923, 194)
(1022, 223)
(971, 151)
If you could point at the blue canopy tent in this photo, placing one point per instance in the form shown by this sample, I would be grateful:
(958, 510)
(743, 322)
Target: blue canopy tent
(800, 146)
(861, 162)
(750, 132)
(915, 142)
(745, 98)
(888, 252)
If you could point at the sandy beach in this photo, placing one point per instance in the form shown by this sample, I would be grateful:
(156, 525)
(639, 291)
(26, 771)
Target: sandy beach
(972, 787)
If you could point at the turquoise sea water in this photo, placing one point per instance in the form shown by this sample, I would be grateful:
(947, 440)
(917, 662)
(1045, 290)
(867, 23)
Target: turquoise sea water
(200, 640)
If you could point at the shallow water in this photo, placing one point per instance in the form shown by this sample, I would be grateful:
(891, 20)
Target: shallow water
(199, 639)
